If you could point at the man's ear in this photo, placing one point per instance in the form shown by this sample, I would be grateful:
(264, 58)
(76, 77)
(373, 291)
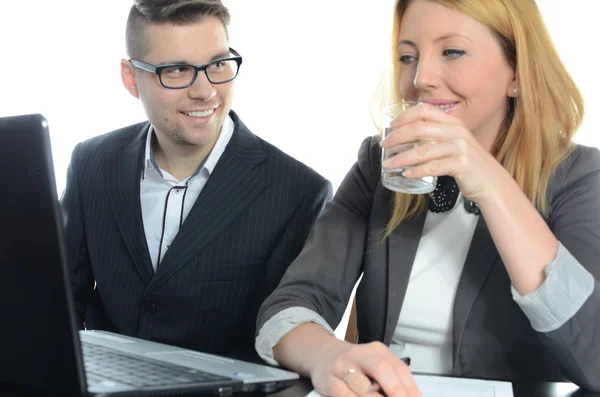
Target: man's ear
(128, 77)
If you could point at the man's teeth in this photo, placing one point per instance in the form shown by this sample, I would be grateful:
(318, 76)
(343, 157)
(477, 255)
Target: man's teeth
(203, 113)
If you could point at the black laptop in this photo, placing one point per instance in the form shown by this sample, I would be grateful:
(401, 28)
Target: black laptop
(41, 350)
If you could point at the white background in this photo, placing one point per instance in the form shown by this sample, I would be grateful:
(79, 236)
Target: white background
(61, 59)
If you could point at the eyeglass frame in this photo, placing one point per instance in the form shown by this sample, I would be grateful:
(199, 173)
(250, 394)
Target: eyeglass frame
(157, 69)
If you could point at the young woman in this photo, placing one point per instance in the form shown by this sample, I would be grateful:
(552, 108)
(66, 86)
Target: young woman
(504, 288)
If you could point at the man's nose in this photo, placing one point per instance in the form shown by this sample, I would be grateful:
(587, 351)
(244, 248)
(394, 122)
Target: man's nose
(202, 88)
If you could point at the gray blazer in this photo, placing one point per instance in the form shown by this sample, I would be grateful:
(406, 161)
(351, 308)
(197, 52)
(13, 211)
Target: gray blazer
(492, 337)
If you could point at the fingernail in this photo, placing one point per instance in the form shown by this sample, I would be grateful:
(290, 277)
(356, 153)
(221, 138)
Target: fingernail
(407, 172)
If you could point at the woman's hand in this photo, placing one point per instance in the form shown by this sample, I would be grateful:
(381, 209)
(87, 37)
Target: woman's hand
(349, 370)
(447, 148)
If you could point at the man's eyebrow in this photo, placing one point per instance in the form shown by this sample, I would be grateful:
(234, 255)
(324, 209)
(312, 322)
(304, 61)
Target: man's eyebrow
(220, 55)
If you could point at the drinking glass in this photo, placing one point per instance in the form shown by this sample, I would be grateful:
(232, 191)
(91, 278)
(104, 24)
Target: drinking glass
(393, 178)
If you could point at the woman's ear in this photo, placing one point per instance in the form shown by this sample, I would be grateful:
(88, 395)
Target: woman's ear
(513, 89)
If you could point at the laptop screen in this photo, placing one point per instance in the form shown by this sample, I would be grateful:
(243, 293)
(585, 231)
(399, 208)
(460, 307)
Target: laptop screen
(39, 346)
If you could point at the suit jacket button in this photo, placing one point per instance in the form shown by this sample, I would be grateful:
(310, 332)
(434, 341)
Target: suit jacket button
(150, 309)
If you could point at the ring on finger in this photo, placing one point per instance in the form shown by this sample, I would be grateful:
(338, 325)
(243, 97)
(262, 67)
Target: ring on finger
(361, 384)
(348, 372)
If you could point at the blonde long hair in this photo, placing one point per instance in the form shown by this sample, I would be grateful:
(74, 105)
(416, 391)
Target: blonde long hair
(540, 123)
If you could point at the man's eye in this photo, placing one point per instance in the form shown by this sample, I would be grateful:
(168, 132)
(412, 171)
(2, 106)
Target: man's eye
(178, 70)
(217, 66)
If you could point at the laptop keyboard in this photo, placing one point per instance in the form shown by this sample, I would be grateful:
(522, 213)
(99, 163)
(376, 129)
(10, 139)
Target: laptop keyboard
(104, 365)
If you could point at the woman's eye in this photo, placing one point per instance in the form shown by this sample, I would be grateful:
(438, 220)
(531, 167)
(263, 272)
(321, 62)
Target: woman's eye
(407, 59)
(452, 54)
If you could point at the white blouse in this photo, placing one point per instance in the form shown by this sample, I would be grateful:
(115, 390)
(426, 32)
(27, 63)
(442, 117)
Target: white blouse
(424, 330)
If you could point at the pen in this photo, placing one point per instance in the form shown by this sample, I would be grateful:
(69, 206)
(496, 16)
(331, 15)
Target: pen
(375, 387)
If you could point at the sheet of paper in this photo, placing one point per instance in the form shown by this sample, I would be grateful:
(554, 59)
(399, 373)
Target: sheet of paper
(439, 386)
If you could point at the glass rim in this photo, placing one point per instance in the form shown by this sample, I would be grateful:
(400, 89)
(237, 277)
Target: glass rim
(389, 110)
(402, 101)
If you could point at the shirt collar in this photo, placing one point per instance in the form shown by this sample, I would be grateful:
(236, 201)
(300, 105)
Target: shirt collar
(209, 163)
(219, 148)
(149, 162)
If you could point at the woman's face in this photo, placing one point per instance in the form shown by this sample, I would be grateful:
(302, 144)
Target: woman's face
(452, 61)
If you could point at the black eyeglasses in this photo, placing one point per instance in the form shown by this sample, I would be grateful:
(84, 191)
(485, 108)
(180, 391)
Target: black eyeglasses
(181, 75)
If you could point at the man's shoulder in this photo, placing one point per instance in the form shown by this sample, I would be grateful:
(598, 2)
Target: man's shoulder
(286, 164)
(122, 136)
(289, 169)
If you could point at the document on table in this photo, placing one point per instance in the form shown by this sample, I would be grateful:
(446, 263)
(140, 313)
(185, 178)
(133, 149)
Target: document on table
(440, 386)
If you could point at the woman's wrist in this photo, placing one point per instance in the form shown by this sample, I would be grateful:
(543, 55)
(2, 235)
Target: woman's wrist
(503, 188)
(304, 347)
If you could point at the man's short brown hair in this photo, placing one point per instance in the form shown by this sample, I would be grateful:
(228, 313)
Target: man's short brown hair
(179, 12)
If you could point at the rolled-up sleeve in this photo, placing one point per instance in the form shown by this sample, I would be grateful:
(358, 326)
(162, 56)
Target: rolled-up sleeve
(565, 309)
(567, 287)
(280, 324)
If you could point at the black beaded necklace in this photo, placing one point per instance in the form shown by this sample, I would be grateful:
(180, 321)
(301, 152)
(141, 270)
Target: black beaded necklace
(444, 197)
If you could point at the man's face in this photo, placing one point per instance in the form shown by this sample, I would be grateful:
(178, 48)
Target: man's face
(193, 116)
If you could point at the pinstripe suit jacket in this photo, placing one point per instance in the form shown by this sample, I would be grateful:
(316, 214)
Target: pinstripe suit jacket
(248, 224)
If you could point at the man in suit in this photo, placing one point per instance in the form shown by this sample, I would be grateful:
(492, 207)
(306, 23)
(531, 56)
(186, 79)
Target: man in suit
(178, 228)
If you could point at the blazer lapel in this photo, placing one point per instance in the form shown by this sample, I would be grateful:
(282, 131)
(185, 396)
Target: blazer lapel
(402, 248)
(122, 177)
(479, 263)
(231, 187)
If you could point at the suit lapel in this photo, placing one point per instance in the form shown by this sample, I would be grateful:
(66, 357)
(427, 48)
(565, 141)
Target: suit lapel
(479, 263)
(402, 248)
(231, 187)
(122, 176)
